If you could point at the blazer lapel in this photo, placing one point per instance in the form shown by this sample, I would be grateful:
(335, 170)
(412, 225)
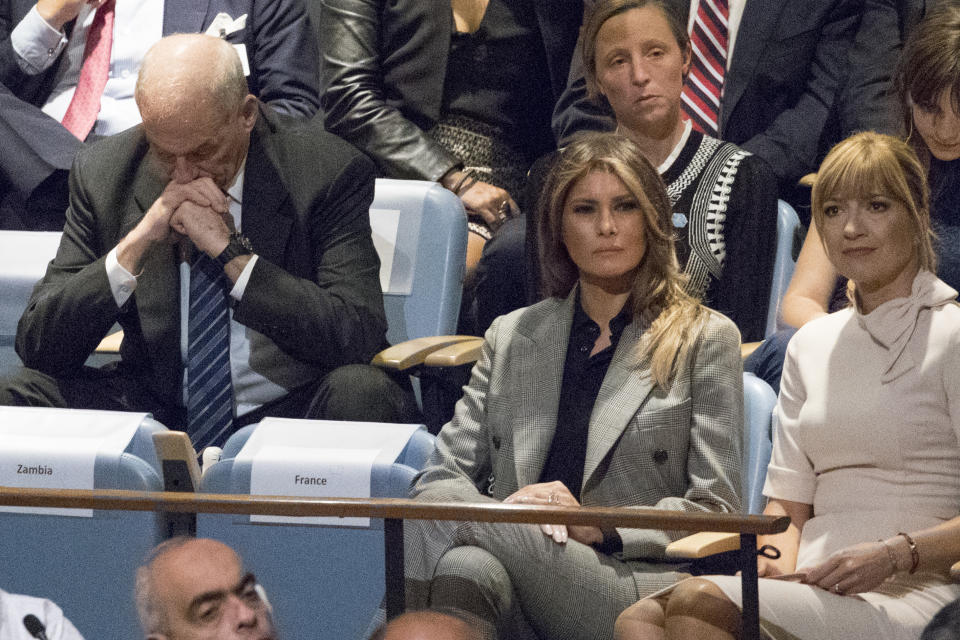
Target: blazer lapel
(625, 388)
(759, 18)
(158, 290)
(184, 16)
(540, 360)
(263, 192)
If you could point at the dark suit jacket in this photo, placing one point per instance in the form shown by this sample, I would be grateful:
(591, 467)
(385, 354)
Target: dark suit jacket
(787, 67)
(868, 101)
(314, 291)
(383, 71)
(281, 50)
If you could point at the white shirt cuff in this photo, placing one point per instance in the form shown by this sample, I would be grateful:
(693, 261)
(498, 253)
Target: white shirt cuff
(36, 43)
(241, 284)
(122, 282)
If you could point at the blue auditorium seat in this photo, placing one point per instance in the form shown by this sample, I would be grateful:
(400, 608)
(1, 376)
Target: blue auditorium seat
(23, 260)
(422, 297)
(788, 248)
(325, 582)
(759, 401)
(87, 565)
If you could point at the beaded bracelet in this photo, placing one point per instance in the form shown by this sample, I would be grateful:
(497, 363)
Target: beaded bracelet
(914, 554)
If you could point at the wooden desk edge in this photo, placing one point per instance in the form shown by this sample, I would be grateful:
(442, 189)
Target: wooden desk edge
(640, 518)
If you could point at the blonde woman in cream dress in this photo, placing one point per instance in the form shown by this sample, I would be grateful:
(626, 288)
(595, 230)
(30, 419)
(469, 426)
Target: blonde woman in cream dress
(866, 460)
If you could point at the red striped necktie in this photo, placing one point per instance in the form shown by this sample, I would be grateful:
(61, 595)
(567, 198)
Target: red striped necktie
(701, 93)
(85, 105)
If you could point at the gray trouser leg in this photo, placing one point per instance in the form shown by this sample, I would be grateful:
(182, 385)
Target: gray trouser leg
(568, 591)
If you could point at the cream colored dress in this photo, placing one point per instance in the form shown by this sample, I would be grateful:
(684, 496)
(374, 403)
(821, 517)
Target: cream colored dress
(869, 424)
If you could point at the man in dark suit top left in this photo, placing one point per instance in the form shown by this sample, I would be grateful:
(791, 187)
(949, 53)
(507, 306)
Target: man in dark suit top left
(207, 166)
(276, 36)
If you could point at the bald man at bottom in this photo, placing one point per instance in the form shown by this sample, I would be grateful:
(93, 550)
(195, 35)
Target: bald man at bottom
(435, 624)
(196, 588)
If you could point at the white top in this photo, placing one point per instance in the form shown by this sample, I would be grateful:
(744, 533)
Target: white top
(13, 608)
(869, 423)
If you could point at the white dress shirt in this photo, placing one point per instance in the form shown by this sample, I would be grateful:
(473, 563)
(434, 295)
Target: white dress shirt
(260, 370)
(13, 608)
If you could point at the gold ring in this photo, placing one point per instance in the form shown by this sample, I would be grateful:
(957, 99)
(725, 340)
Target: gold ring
(836, 589)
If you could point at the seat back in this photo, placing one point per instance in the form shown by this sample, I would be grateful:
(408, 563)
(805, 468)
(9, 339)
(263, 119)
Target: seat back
(23, 260)
(325, 582)
(788, 247)
(87, 564)
(420, 232)
(759, 401)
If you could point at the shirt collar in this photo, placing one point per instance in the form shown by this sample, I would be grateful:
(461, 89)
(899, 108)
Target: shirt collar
(687, 127)
(582, 322)
(235, 191)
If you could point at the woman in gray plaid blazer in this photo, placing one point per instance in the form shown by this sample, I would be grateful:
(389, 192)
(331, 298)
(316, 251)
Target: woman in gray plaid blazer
(662, 375)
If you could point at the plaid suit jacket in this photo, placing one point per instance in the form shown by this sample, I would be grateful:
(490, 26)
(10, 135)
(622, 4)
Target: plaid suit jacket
(676, 448)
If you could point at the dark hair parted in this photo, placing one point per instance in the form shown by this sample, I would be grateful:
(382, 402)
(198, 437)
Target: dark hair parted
(930, 65)
(603, 11)
(868, 164)
(657, 292)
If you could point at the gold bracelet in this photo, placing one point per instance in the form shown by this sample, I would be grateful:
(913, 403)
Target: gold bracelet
(914, 554)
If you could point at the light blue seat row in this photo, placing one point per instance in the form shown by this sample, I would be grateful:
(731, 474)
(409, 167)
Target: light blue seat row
(87, 565)
(425, 225)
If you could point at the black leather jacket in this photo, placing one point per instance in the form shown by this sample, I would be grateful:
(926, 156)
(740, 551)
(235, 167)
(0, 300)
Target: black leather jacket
(383, 64)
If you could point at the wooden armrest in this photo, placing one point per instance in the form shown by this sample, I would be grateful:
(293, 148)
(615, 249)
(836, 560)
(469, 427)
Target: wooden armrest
(747, 348)
(180, 469)
(110, 344)
(703, 544)
(456, 354)
(955, 572)
(413, 352)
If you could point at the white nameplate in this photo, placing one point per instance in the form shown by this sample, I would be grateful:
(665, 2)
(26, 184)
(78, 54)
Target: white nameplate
(317, 458)
(384, 224)
(58, 448)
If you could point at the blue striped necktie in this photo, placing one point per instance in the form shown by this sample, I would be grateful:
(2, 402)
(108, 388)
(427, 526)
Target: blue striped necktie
(209, 387)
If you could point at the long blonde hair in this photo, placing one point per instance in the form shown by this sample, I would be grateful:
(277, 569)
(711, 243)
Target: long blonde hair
(658, 288)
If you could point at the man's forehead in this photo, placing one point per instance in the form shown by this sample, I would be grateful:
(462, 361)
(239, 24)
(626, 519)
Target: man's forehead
(196, 567)
(178, 138)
